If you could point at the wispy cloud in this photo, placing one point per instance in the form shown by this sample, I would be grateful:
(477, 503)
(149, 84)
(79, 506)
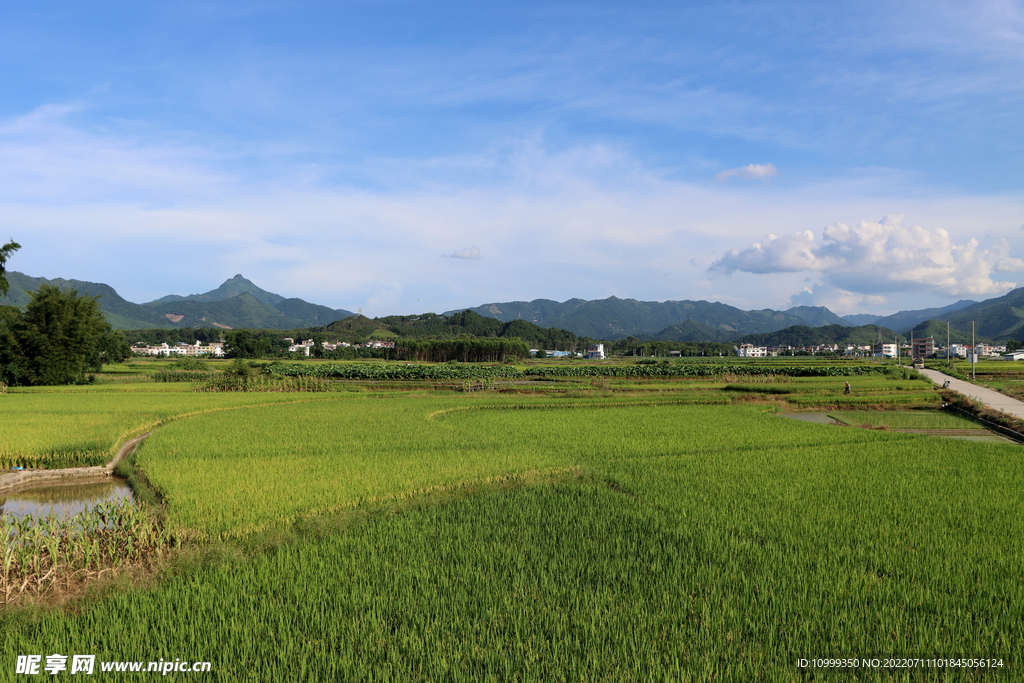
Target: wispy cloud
(749, 172)
(471, 253)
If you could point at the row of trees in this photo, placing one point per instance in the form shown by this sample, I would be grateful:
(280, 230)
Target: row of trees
(632, 346)
(464, 349)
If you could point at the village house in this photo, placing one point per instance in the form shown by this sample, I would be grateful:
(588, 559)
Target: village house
(751, 351)
(215, 349)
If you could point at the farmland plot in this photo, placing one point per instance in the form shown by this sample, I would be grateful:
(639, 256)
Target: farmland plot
(498, 537)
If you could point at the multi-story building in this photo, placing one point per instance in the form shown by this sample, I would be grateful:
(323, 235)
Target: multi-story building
(924, 348)
(885, 350)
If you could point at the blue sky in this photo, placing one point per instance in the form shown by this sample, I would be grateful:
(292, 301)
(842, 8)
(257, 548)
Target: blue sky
(401, 157)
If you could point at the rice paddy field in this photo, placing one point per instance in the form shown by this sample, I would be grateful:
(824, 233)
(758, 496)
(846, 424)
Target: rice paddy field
(917, 419)
(586, 529)
(84, 426)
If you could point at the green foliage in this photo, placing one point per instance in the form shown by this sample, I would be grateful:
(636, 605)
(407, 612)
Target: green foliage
(358, 329)
(240, 344)
(56, 340)
(384, 371)
(5, 253)
(240, 368)
(180, 375)
(112, 347)
(249, 383)
(191, 363)
(688, 369)
(463, 349)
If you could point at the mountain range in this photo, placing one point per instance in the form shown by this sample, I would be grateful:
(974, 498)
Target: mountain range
(238, 302)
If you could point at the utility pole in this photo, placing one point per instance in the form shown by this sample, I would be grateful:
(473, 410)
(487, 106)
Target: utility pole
(974, 354)
(947, 342)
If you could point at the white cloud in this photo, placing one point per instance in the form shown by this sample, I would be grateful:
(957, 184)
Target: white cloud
(151, 215)
(472, 252)
(749, 172)
(837, 300)
(883, 257)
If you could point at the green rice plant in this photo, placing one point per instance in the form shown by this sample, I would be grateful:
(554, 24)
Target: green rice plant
(723, 555)
(76, 429)
(673, 542)
(914, 419)
(908, 400)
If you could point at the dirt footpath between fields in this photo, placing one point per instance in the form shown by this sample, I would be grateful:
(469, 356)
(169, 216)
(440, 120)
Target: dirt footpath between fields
(20, 479)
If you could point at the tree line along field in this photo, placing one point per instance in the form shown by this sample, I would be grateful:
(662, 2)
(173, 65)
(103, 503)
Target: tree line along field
(600, 529)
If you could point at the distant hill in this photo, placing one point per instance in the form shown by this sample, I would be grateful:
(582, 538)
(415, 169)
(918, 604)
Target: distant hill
(690, 331)
(816, 316)
(236, 303)
(230, 288)
(937, 329)
(802, 335)
(359, 328)
(122, 314)
(904, 320)
(615, 318)
(859, 319)
(997, 319)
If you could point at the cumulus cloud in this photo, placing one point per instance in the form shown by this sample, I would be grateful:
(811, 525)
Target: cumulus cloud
(879, 258)
(749, 172)
(472, 252)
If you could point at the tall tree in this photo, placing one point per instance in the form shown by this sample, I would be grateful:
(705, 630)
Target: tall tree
(57, 338)
(5, 252)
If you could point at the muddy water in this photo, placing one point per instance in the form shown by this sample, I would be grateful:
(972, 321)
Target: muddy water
(63, 500)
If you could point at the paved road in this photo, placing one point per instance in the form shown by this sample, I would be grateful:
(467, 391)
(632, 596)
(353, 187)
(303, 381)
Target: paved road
(993, 399)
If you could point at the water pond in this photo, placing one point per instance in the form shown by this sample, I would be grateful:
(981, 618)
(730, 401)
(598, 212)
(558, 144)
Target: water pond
(63, 500)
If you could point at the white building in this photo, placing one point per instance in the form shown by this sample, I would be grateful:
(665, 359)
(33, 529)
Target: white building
(751, 351)
(215, 349)
(959, 350)
(888, 351)
(596, 351)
